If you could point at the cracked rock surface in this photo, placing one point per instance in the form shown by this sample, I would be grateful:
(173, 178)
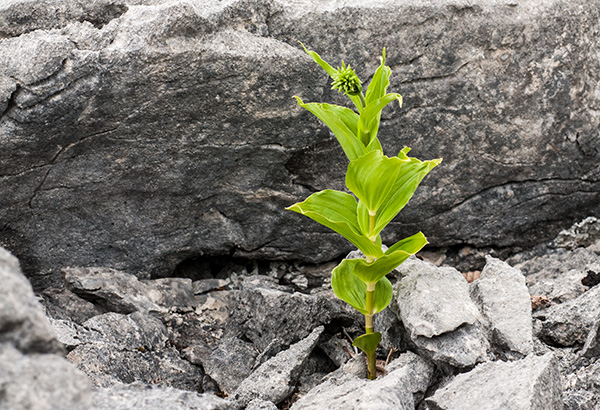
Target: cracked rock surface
(136, 134)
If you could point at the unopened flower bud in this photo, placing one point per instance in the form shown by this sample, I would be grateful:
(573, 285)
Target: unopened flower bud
(346, 81)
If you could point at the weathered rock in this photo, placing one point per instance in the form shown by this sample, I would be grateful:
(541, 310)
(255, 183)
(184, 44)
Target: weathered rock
(407, 376)
(260, 404)
(41, 382)
(230, 363)
(117, 348)
(569, 323)
(581, 377)
(33, 376)
(267, 319)
(264, 314)
(111, 289)
(22, 320)
(206, 285)
(591, 348)
(140, 133)
(532, 383)
(505, 305)
(174, 293)
(581, 234)
(276, 379)
(62, 304)
(141, 396)
(557, 274)
(438, 314)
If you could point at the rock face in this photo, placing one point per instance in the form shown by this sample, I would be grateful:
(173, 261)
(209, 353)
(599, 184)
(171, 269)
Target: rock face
(135, 134)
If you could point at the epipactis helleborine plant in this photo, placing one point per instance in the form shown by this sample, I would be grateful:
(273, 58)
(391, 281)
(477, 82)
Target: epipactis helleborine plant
(381, 185)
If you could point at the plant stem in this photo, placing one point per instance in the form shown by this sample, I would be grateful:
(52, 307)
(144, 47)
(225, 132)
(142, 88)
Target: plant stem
(371, 357)
(362, 100)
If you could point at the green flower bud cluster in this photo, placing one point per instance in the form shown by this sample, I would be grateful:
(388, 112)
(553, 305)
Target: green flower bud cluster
(346, 81)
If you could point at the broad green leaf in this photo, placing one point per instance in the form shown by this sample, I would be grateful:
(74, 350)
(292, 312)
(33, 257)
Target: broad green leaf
(337, 211)
(349, 288)
(368, 342)
(368, 123)
(407, 180)
(371, 178)
(376, 270)
(411, 245)
(342, 122)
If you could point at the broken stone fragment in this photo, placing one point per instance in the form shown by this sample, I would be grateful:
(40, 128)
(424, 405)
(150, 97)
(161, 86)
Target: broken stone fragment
(439, 316)
(407, 379)
(532, 383)
(505, 305)
(569, 323)
(275, 379)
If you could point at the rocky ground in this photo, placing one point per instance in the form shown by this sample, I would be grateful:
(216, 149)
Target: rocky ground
(520, 335)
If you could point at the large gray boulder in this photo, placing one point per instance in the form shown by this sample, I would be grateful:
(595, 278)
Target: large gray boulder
(136, 134)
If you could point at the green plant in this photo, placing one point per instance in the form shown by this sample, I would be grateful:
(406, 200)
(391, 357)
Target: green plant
(381, 185)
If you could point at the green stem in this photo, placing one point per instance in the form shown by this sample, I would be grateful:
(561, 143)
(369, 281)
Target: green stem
(371, 357)
(362, 100)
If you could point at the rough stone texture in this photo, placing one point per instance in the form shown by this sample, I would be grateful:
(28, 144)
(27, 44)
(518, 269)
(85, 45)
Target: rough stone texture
(569, 323)
(431, 300)
(140, 396)
(581, 377)
(267, 319)
(435, 309)
(591, 348)
(32, 376)
(532, 383)
(505, 305)
(260, 404)
(41, 382)
(113, 290)
(117, 348)
(276, 379)
(407, 376)
(136, 134)
(581, 234)
(22, 320)
(557, 273)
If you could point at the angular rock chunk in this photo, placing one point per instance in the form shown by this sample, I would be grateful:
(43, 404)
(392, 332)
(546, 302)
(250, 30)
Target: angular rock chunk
(505, 305)
(112, 289)
(276, 379)
(141, 396)
(431, 300)
(532, 383)
(569, 323)
(260, 404)
(407, 376)
(438, 314)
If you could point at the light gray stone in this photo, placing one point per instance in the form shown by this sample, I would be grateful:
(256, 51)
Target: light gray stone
(431, 300)
(141, 396)
(275, 379)
(206, 285)
(260, 404)
(173, 293)
(439, 316)
(505, 305)
(140, 133)
(41, 381)
(407, 376)
(532, 383)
